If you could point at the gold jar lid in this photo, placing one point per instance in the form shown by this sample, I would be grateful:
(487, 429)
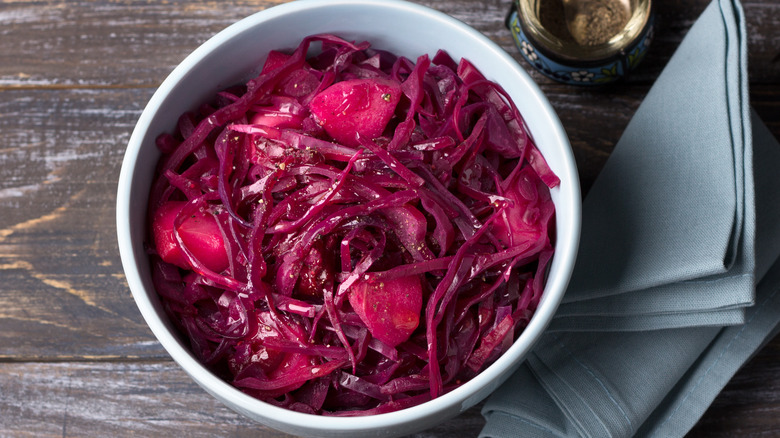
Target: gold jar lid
(584, 30)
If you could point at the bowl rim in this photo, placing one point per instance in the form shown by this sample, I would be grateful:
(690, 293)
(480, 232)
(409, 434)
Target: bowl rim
(463, 395)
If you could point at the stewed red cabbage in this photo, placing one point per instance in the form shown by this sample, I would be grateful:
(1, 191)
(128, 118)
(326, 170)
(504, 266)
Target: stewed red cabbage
(351, 232)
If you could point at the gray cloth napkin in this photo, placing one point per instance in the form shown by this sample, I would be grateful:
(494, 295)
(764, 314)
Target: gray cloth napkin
(668, 261)
(668, 227)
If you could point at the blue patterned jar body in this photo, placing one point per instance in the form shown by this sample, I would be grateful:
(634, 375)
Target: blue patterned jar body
(570, 63)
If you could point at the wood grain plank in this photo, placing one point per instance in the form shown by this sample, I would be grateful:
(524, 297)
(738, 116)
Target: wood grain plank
(138, 398)
(156, 398)
(64, 294)
(112, 399)
(97, 43)
(85, 43)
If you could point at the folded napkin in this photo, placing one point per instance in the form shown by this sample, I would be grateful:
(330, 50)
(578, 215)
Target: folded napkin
(663, 306)
(668, 227)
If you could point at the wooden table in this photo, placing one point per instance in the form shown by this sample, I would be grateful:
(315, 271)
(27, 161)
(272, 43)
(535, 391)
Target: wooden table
(76, 358)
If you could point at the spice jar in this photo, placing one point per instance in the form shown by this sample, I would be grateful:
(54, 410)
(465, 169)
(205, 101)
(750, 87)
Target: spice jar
(582, 42)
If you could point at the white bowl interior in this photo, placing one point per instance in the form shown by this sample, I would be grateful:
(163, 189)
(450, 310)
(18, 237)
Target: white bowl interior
(235, 55)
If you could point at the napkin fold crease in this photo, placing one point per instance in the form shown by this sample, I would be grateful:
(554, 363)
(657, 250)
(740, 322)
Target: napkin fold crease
(663, 307)
(668, 226)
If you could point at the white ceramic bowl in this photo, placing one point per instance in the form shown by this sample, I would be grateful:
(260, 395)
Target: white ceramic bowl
(233, 56)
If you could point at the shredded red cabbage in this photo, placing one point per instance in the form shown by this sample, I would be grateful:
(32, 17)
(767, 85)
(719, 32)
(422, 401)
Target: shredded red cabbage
(351, 232)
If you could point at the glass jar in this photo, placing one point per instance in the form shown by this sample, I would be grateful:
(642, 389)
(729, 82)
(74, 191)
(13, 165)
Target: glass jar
(576, 48)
